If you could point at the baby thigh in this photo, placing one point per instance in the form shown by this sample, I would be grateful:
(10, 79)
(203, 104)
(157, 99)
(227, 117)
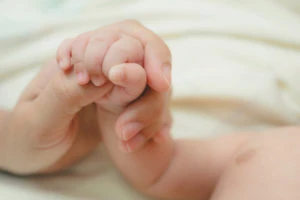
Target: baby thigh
(265, 168)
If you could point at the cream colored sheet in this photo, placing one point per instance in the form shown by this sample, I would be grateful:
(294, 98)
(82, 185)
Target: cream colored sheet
(236, 67)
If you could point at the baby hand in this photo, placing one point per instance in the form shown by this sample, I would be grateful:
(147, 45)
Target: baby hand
(91, 55)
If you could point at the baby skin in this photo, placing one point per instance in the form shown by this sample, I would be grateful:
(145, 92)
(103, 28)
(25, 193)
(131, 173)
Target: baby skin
(100, 89)
(237, 166)
(55, 122)
(113, 59)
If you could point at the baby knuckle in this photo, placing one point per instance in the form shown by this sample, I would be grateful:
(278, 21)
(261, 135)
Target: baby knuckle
(82, 37)
(81, 42)
(95, 62)
(79, 65)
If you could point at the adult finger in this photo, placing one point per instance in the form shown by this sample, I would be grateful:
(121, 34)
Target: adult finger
(158, 61)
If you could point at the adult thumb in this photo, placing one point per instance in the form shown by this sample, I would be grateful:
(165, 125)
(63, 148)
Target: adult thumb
(63, 97)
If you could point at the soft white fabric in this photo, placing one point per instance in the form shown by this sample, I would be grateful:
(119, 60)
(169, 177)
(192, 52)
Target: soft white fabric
(235, 67)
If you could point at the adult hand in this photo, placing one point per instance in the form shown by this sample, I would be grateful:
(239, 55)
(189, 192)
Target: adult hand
(52, 126)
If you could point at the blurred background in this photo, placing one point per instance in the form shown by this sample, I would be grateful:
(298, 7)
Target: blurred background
(235, 67)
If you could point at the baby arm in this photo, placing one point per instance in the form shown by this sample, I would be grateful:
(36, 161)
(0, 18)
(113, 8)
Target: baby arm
(91, 55)
(181, 169)
(195, 167)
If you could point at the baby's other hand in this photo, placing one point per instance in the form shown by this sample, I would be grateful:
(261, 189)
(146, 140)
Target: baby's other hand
(148, 119)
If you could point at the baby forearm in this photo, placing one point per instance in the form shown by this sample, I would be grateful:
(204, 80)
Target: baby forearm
(183, 169)
(190, 174)
(171, 170)
(141, 168)
(197, 166)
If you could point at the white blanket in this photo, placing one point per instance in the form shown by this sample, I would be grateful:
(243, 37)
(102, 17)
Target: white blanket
(235, 67)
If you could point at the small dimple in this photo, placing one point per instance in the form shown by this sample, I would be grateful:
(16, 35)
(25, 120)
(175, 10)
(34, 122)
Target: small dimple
(245, 156)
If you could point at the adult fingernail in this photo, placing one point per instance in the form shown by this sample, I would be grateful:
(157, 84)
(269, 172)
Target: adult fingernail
(167, 73)
(131, 130)
(116, 74)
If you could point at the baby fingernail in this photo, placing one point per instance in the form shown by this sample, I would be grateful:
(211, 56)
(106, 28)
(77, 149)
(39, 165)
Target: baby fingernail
(138, 142)
(131, 130)
(97, 81)
(82, 77)
(133, 144)
(167, 73)
(124, 147)
(64, 63)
